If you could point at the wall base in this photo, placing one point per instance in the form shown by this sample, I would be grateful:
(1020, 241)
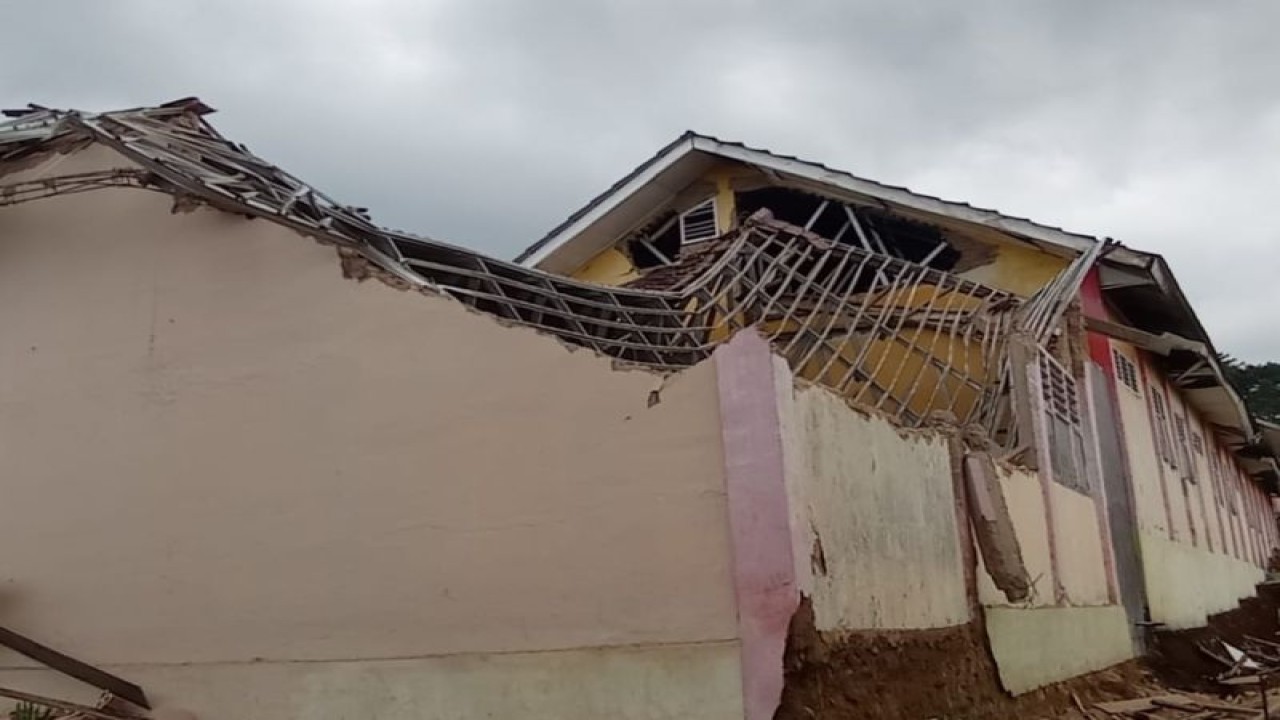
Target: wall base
(1039, 646)
(912, 674)
(1220, 582)
(656, 683)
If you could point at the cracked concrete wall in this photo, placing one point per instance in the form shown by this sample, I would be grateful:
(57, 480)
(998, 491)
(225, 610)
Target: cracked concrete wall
(874, 517)
(219, 453)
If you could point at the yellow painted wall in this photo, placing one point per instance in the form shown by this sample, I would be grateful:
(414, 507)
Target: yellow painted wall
(1018, 269)
(611, 267)
(900, 369)
(880, 504)
(726, 202)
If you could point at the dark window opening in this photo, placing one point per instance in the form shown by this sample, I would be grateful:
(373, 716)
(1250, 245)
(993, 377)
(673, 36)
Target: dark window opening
(656, 244)
(659, 242)
(882, 231)
(790, 206)
(914, 241)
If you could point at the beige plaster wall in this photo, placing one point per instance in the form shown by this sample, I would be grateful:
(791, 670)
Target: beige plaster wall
(1041, 641)
(1082, 563)
(1144, 464)
(1186, 584)
(1220, 573)
(215, 449)
(1025, 500)
(874, 510)
(672, 682)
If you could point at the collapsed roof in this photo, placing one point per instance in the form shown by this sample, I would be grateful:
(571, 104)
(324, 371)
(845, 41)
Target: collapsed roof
(1139, 286)
(174, 150)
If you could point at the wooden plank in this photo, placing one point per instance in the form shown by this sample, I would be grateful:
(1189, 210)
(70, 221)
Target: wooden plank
(1177, 703)
(1136, 705)
(74, 668)
(1209, 704)
(1021, 355)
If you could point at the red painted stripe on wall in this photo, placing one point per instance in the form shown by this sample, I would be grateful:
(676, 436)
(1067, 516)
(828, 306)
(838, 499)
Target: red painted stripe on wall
(1092, 304)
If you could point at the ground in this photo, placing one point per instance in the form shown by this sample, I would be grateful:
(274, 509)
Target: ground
(949, 674)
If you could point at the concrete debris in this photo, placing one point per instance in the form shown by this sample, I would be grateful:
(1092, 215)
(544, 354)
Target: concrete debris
(993, 528)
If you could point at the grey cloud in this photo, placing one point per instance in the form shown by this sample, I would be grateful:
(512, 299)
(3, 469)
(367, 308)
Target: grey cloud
(485, 122)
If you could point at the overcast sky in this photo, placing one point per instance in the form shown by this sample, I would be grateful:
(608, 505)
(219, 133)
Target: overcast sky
(485, 122)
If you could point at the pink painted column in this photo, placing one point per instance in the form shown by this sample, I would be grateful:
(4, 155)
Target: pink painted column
(764, 573)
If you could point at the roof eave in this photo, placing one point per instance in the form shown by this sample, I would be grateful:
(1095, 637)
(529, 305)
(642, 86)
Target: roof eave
(900, 196)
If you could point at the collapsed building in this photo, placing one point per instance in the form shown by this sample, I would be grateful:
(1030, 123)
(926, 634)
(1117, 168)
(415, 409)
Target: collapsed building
(734, 422)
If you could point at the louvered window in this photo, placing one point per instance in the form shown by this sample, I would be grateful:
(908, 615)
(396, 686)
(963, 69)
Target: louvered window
(698, 223)
(1126, 371)
(1063, 424)
(1216, 476)
(1160, 429)
(1184, 448)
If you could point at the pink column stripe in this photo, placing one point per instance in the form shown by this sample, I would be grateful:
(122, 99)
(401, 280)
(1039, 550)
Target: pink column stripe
(759, 519)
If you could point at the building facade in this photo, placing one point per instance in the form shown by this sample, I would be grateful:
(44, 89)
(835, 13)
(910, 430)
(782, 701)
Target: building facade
(735, 422)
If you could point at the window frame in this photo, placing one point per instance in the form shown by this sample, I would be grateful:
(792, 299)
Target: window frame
(1126, 371)
(683, 222)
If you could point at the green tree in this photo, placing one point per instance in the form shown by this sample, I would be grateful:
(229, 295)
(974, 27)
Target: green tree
(1258, 384)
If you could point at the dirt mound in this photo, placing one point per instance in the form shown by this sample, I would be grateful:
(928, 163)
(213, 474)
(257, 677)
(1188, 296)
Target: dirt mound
(914, 675)
(950, 674)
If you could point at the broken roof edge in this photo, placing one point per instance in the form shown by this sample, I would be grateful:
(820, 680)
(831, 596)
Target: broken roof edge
(691, 141)
(355, 229)
(37, 122)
